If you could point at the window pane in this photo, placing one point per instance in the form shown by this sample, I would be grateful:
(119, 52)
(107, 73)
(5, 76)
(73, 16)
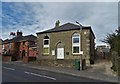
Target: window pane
(75, 49)
(46, 37)
(46, 50)
(46, 42)
(76, 35)
(75, 40)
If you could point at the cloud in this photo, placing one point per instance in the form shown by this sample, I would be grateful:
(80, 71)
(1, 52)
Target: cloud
(98, 15)
(34, 17)
(103, 20)
(0, 20)
(17, 13)
(17, 16)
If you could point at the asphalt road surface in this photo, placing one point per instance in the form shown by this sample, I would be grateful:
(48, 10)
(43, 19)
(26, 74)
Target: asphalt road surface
(16, 73)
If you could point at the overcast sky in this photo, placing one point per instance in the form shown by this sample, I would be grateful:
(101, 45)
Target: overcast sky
(32, 17)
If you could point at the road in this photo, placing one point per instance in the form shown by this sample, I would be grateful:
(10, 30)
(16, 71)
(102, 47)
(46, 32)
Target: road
(16, 73)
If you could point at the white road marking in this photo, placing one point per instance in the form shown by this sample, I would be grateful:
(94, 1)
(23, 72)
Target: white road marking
(26, 72)
(39, 75)
(8, 68)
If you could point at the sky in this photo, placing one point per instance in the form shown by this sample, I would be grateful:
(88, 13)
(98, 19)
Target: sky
(33, 17)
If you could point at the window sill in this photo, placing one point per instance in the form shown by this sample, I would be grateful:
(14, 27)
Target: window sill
(45, 54)
(76, 54)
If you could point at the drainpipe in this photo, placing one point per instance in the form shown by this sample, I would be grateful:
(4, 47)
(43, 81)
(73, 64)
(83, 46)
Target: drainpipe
(81, 52)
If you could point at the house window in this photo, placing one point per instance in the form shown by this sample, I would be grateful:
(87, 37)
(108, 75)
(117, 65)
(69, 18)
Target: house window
(46, 42)
(46, 50)
(9, 45)
(76, 49)
(75, 40)
(3, 46)
(23, 42)
(76, 43)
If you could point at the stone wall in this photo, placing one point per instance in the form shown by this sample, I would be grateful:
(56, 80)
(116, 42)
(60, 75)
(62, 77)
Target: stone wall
(55, 38)
(57, 63)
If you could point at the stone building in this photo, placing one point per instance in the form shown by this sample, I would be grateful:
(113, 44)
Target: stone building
(62, 45)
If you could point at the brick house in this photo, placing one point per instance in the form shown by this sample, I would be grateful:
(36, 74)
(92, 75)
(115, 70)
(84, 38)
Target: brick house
(19, 45)
(1, 47)
(61, 46)
(33, 50)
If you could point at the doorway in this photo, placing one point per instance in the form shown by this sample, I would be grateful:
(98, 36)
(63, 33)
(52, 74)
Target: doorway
(60, 51)
(23, 53)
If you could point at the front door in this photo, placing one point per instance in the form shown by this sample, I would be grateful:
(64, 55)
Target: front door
(60, 53)
(23, 53)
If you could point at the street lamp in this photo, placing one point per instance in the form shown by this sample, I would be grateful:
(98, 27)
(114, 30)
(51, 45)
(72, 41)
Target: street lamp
(80, 26)
(81, 52)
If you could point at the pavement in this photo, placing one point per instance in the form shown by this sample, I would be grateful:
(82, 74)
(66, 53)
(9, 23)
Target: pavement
(99, 71)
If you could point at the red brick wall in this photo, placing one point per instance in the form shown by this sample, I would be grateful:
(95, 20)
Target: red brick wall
(6, 46)
(24, 46)
(12, 48)
(0, 49)
(32, 52)
(17, 49)
(6, 58)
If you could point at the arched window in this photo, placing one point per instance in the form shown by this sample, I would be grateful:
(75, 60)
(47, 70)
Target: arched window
(46, 42)
(76, 43)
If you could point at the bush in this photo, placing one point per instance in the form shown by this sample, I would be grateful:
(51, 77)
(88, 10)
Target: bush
(91, 61)
(14, 58)
(114, 68)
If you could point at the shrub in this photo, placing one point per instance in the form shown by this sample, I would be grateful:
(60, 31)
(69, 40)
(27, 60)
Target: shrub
(114, 68)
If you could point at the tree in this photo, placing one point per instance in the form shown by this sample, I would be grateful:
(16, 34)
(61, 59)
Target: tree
(114, 41)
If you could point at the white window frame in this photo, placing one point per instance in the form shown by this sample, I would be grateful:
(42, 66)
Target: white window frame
(46, 46)
(76, 44)
(9, 45)
(3, 46)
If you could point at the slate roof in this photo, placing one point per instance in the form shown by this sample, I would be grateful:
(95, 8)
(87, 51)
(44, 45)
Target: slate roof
(28, 38)
(6, 41)
(66, 27)
(33, 45)
(21, 38)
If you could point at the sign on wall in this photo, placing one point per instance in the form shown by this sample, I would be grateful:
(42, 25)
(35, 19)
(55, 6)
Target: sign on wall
(81, 52)
(53, 52)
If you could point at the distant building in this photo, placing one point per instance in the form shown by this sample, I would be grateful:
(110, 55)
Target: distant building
(19, 45)
(102, 51)
(62, 45)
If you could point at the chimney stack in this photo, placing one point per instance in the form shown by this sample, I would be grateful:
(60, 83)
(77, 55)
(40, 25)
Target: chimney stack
(19, 33)
(12, 35)
(57, 24)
